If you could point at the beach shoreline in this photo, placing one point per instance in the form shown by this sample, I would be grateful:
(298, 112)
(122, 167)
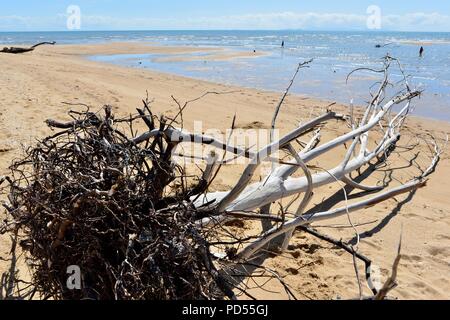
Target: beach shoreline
(50, 81)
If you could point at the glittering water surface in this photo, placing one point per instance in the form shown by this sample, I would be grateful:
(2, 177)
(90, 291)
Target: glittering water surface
(335, 55)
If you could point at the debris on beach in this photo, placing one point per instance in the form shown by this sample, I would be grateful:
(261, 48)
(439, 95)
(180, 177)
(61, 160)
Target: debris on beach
(17, 50)
(98, 197)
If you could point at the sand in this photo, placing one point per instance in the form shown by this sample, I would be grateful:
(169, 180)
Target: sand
(423, 42)
(221, 55)
(39, 85)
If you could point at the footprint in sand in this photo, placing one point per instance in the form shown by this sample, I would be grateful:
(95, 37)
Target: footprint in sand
(426, 288)
(305, 247)
(292, 271)
(417, 216)
(438, 251)
(254, 125)
(4, 150)
(412, 258)
(443, 237)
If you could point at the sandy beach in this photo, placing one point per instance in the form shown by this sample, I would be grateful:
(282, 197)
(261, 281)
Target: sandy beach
(50, 81)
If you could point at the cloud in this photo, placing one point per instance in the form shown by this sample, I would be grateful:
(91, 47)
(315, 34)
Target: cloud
(283, 20)
(22, 23)
(417, 22)
(279, 20)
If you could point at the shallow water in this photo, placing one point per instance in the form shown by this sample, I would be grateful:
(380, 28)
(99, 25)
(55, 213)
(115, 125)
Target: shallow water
(335, 55)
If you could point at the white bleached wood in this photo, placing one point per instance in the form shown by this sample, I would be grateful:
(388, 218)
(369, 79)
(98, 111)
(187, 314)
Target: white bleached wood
(356, 185)
(264, 153)
(248, 251)
(244, 197)
(257, 195)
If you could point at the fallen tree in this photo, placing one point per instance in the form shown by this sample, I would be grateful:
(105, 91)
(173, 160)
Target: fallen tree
(116, 203)
(16, 50)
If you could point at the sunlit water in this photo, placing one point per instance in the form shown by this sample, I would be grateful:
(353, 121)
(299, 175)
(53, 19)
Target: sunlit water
(335, 55)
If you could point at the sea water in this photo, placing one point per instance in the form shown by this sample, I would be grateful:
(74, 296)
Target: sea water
(335, 55)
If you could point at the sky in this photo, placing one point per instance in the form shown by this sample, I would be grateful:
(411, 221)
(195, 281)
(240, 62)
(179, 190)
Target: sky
(388, 15)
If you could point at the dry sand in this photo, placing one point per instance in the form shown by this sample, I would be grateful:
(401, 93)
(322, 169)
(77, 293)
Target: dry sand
(33, 87)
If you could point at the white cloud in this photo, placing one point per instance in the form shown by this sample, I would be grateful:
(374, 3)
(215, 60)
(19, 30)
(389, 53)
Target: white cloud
(281, 20)
(417, 21)
(19, 23)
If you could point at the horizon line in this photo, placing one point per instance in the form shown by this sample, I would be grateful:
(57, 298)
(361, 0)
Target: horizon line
(162, 29)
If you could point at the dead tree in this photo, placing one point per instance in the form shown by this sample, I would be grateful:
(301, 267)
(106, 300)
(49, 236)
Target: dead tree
(248, 200)
(16, 50)
(121, 204)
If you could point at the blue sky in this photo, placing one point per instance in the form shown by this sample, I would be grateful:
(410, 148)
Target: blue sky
(404, 15)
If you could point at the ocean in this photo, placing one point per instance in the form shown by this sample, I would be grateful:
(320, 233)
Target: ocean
(335, 55)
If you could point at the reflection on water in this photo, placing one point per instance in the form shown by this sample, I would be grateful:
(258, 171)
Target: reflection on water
(335, 55)
(326, 77)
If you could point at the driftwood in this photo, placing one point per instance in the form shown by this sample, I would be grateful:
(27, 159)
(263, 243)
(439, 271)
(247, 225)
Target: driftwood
(106, 210)
(117, 203)
(16, 50)
(383, 45)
